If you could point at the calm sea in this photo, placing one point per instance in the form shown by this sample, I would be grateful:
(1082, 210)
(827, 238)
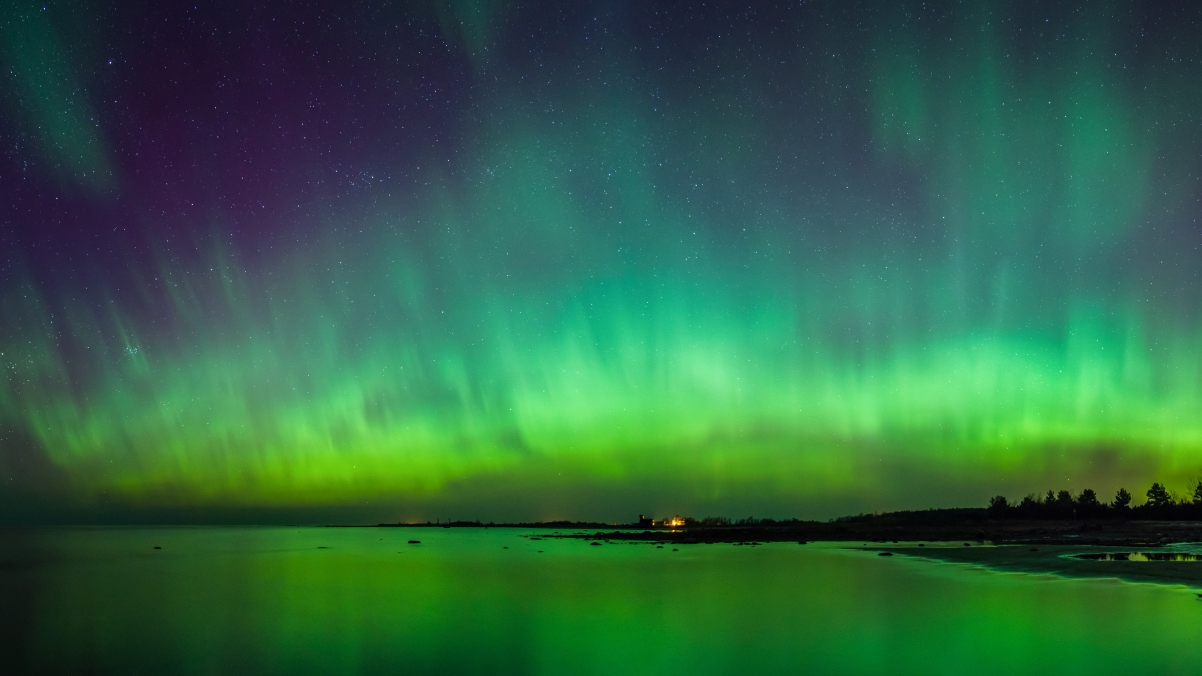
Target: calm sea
(363, 600)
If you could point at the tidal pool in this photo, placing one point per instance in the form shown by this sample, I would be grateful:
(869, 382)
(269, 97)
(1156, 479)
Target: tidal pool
(364, 600)
(1175, 557)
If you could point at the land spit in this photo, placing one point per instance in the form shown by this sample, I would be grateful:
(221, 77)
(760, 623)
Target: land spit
(1034, 547)
(884, 530)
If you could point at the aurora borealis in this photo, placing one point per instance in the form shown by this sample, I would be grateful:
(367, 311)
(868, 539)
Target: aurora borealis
(502, 260)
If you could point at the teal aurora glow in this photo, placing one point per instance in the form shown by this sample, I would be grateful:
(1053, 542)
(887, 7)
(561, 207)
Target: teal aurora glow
(557, 261)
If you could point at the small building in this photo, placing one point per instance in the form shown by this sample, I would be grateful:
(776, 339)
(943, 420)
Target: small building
(646, 521)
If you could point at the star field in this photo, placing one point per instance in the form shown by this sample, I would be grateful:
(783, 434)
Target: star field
(569, 260)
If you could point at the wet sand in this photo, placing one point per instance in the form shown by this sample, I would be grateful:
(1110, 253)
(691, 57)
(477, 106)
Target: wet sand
(1057, 560)
(1036, 547)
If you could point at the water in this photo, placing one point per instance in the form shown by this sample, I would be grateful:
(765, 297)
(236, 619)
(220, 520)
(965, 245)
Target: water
(1175, 557)
(268, 600)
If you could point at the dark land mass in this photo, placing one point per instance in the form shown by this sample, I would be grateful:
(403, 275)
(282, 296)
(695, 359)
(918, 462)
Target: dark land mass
(1056, 518)
(1059, 535)
(941, 525)
(1086, 548)
(885, 529)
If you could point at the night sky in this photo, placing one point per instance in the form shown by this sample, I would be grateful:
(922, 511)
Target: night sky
(497, 260)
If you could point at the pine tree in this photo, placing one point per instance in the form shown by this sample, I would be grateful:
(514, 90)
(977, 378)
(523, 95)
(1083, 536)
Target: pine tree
(1158, 496)
(1122, 499)
(998, 505)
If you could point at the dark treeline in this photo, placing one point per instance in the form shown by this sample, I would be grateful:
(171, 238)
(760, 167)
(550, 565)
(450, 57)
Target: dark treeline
(1161, 505)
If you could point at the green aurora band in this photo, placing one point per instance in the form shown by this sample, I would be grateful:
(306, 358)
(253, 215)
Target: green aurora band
(943, 258)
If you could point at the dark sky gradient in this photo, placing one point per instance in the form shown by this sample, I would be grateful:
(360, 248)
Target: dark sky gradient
(500, 260)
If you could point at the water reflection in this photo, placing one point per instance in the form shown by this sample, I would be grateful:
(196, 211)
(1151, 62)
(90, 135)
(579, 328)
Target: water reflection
(271, 600)
(1138, 556)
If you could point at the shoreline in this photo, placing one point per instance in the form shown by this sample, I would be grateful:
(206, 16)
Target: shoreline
(1052, 560)
(879, 530)
(1027, 547)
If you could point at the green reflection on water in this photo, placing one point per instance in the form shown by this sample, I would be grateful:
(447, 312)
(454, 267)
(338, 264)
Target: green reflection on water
(1144, 557)
(223, 600)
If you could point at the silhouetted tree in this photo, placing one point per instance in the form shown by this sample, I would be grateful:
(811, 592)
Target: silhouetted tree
(1158, 496)
(998, 505)
(1064, 499)
(1029, 508)
(1050, 498)
(1198, 493)
(1122, 499)
(1088, 505)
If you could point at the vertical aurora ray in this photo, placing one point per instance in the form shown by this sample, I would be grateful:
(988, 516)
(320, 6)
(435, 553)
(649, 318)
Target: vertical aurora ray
(727, 257)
